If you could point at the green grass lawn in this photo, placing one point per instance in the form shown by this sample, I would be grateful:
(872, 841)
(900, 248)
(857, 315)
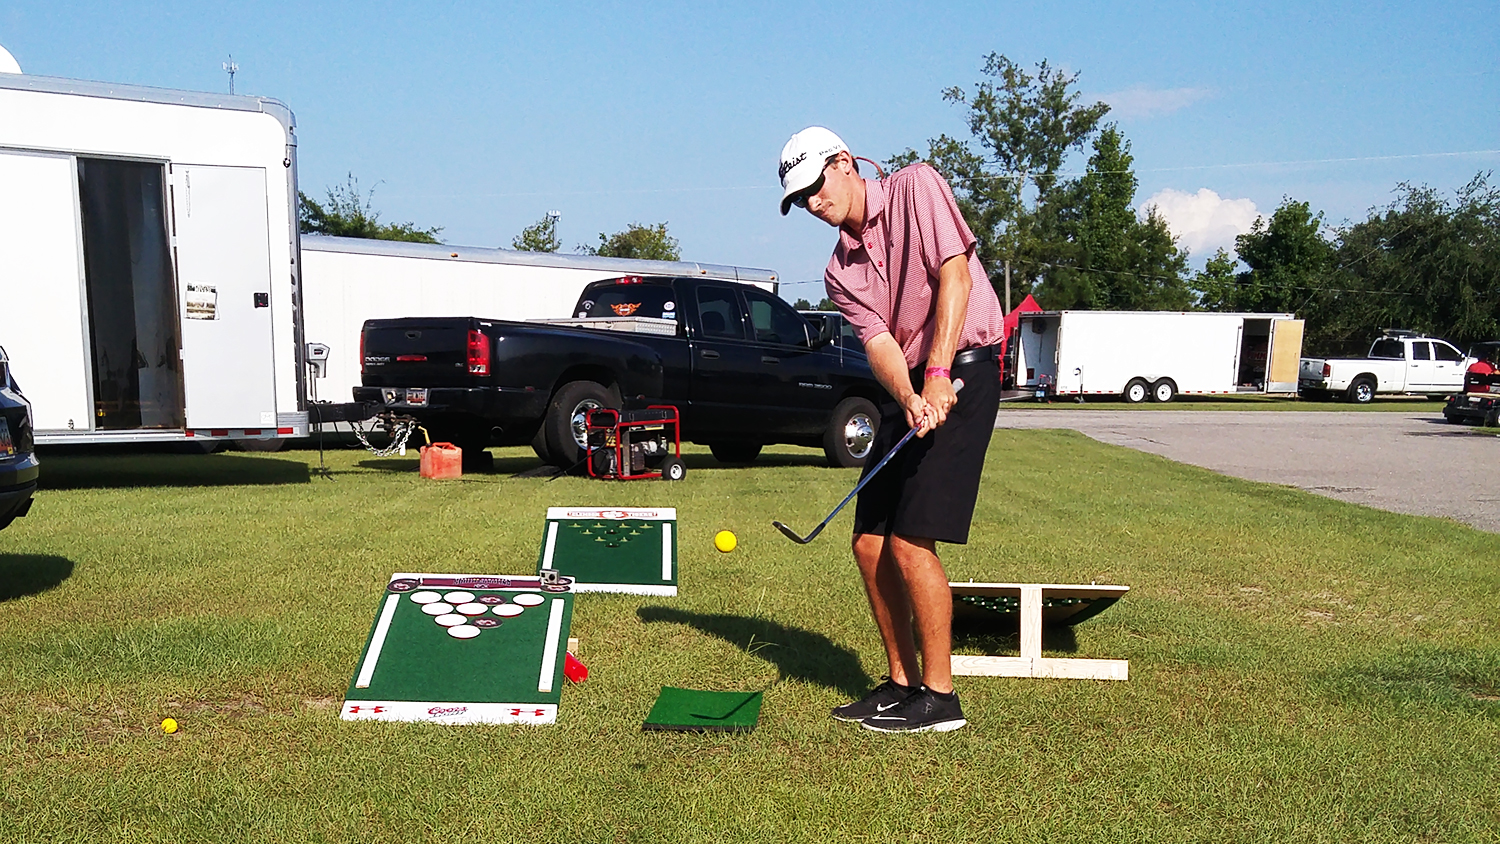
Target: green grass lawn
(1301, 669)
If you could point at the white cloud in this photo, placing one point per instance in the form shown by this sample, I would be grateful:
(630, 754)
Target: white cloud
(1203, 221)
(1146, 102)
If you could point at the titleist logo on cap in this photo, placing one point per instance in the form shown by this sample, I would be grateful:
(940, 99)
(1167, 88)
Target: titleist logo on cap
(789, 164)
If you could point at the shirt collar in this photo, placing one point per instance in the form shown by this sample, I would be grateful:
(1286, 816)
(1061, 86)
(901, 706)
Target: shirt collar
(874, 208)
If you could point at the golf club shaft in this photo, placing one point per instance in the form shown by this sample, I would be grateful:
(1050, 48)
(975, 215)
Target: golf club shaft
(957, 385)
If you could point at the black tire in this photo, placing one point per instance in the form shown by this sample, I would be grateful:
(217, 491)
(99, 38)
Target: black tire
(1361, 391)
(1164, 390)
(1492, 418)
(565, 419)
(673, 470)
(735, 452)
(1136, 391)
(850, 433)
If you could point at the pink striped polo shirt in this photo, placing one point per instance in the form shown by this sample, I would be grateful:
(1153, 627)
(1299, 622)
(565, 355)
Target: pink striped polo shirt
(887, 280)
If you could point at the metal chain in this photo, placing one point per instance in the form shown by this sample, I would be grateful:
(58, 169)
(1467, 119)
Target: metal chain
(400, 431)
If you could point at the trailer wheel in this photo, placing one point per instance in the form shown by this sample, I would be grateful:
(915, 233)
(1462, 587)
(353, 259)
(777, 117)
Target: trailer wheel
(735, 452)
(567, 415)
(850, 433)
(1136, 391)
(1164, 390)
(1362, 391)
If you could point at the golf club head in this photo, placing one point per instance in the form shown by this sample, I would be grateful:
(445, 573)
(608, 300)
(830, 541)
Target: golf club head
(792, 535)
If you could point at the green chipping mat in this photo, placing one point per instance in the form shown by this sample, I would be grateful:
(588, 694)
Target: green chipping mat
(693, 711)
(632, 551)
(464, 649)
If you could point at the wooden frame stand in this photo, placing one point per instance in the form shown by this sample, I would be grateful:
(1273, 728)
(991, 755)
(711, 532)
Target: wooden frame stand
(1031, 663)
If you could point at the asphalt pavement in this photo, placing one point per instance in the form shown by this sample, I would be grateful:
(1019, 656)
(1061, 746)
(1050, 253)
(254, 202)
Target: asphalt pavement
(1403, 462)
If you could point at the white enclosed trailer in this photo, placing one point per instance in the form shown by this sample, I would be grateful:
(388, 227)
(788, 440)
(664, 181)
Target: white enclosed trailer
(347, 281)
(1155, 354)
(149, 266)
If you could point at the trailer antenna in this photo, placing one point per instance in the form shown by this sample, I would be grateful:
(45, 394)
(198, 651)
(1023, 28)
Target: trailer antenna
(231, 68)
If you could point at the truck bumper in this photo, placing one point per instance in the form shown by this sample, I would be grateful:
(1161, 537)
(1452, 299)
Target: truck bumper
(17, 483)
(515, 412)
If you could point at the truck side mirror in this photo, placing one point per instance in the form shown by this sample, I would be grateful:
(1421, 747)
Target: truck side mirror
(824, 334)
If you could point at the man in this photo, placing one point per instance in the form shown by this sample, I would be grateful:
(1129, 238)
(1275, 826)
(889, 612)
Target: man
(906, 276)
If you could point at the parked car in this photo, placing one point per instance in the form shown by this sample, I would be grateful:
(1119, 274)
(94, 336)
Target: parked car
(18, 465)
(742, 367)
(1399, 363)
(1480, 400)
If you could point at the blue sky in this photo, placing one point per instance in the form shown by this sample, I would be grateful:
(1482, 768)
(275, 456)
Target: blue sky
(481, 117)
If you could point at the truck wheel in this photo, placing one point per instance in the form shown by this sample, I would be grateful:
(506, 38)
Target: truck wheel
(738, 452)
(673, 470)
(1492, 418)
(1164, 390)
(567, 415)
(1362, 391)
(1136, 391)
(850, 433)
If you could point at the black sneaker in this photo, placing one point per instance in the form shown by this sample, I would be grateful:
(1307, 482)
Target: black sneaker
(924, 711)
(880, 699)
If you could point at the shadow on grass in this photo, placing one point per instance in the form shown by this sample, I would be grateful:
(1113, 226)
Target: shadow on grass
(798, 654)
(107, 471)
(766, 459)
(31, 574)
(411, 463)
(1002, 637)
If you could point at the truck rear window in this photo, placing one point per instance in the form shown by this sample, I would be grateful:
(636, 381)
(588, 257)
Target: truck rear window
(1389, 348)
(628, 300)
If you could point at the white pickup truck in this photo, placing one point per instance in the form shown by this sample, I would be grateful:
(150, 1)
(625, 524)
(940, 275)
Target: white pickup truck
(1399, 363)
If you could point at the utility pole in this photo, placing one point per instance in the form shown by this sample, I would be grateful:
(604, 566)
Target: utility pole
(1007, 285)
(231, 68)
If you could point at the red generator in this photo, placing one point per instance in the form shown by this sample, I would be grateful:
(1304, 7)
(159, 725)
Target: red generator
(632, 444)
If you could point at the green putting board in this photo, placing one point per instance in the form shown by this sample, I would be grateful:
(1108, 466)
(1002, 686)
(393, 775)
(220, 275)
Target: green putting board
(464, 649)
(633, 551)
(690, 710)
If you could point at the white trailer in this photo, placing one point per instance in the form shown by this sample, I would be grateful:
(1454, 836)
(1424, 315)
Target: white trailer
(1155, 354)
(347, 281)
(149, 266)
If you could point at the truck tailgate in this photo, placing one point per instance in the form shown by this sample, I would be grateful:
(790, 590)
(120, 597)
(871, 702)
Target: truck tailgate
(417, 353)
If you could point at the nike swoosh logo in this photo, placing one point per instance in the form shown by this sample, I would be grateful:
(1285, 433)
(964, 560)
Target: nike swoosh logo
(879, 708)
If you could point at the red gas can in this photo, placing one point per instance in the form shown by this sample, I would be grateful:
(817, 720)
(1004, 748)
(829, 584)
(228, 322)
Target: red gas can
(442, 461)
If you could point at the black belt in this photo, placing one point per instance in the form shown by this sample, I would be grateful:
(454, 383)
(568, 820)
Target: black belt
(976, 355)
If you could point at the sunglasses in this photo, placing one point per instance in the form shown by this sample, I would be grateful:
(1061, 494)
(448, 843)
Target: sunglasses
(800, 200)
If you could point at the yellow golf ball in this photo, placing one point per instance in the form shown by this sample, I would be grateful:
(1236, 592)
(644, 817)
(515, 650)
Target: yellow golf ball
(724, 541)
(169, 726)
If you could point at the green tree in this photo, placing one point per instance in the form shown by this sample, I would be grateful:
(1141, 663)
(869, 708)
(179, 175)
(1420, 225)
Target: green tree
(1289, 260)
(1107, 257)
(802, 305)
(1214, 285)
(826, 304)
(1424, 262)
(540, 236)
(1025, 126)
(348, 213)
(636, 241)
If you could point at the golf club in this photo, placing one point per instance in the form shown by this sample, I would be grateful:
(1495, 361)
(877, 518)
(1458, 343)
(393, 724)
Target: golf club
(803, 540)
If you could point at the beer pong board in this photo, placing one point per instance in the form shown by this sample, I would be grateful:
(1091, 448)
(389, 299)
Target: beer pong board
(464, 649)
(633, 551)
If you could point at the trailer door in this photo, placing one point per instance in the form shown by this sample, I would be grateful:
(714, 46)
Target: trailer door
(43, 323)
(224, 276)
(1285, 356)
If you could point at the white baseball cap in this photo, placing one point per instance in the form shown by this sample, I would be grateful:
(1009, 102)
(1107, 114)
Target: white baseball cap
(803, 159)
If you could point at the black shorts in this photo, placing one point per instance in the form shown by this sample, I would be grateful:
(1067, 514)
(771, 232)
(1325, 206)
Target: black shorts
(929, 488)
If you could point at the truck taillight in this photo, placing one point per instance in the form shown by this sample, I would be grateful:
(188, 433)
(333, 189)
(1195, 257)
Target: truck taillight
(1327, 369)
(479, 353)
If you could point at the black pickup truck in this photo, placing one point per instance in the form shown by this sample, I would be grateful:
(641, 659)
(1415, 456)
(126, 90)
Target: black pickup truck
(742, 367)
